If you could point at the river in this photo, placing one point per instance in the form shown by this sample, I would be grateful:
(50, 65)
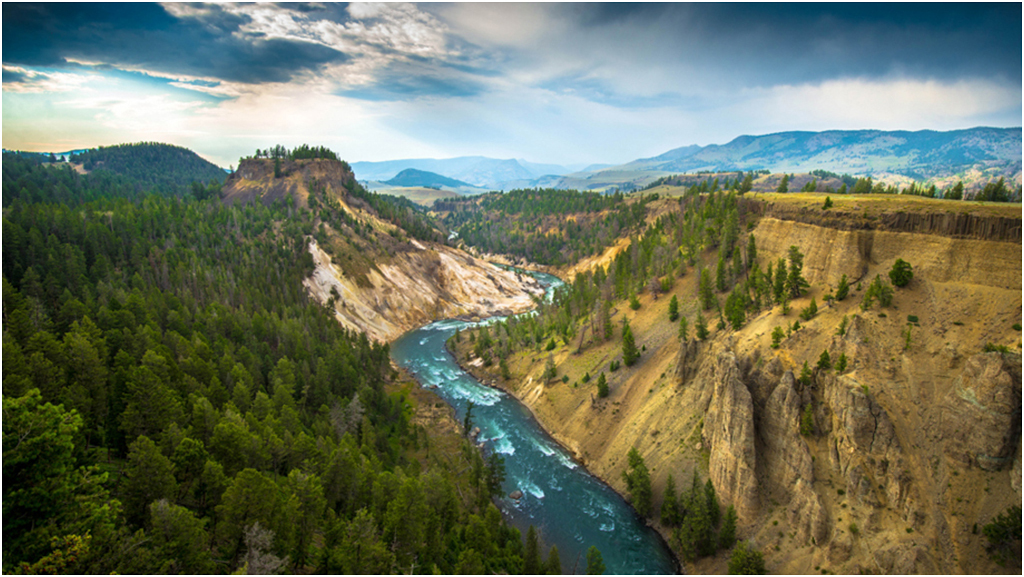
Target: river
(567, 505)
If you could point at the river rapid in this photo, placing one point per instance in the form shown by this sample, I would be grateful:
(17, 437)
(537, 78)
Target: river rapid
(567, 505)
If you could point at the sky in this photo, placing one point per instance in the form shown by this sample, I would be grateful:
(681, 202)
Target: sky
(570, 84)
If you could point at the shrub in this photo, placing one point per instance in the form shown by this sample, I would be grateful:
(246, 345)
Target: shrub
(912, 318)
(994, 348)
(551, 345)
(1002, 533)
(745, 560)
(565, 378)
(854, 529)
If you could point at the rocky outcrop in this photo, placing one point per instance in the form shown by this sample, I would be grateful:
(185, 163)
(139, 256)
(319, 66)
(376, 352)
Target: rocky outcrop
(864, 447)
(981, 414)
(788, 463)
(686, 364)
(418, 286)
(254, 181)
(948, 224)
(729, 432)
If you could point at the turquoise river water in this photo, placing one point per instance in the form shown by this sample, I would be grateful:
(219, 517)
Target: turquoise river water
(569, 507)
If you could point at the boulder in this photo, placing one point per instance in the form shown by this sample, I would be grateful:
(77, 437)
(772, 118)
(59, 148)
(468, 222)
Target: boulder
(517, 495)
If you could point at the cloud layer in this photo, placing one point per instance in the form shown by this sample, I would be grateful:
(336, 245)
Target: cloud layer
(572, 83)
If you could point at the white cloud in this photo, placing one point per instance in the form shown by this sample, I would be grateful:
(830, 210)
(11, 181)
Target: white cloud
(36, 81)
(884, 104)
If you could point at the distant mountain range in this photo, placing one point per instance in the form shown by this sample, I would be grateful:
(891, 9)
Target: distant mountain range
(414, 177)
(975, 153)
(477, 171)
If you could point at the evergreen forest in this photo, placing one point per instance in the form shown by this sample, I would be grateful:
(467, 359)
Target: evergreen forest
(174, 402)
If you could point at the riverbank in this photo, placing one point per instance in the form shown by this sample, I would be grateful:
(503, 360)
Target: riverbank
(490, 378)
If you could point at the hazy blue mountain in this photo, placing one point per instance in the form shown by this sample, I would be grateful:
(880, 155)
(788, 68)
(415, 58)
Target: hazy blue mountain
(479, 171)
(415, 177)
(922, 154)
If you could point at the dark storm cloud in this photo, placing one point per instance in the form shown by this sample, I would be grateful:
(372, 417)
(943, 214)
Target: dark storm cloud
(13, 76)
(771, 43)
(146, 36)
(417, 77)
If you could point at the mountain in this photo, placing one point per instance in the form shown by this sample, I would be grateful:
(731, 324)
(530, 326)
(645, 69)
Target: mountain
(414, 177)
(479, 171)
(165, 167)
(920, 155)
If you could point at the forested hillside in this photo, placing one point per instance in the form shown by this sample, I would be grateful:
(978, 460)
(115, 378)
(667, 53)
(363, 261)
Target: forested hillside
(544, 226)
(151, 165)
(175, 402)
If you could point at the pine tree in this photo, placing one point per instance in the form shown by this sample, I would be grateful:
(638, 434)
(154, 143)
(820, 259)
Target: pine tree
(783, 184)
(705, 290)
(606, 320)
(795, 282)
(777, 335)
(751, 251)
(805, 375)
(779, 290)
(673, 309)
(841, 362)
(630, 354)
(638, 483)
(701, 327)
(720, 273)
(554, 564)
(683, 328)
(824, 362)
(531, 556)
(844, 288)
(670, 515)
(595, 563)
(602, 386)
(727, 534)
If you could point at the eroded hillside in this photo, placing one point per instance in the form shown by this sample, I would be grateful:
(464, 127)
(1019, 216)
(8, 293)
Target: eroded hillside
(378, 262)
(906, 452)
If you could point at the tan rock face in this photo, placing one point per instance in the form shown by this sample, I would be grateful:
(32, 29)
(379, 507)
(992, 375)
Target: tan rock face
(830, 253)
(729, 431)
(417, 287)
(864, 446)
(981, 415)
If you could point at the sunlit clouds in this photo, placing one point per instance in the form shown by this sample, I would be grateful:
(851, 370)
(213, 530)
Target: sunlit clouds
(555, 83)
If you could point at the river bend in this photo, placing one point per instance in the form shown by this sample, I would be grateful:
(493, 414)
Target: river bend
(568, 506)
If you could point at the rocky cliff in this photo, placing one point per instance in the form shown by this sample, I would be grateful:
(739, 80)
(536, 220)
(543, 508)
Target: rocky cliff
(909, 447)
(418, 286)
(375, 278)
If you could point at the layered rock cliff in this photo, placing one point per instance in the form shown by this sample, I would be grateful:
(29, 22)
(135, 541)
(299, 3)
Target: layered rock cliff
(911, 449)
